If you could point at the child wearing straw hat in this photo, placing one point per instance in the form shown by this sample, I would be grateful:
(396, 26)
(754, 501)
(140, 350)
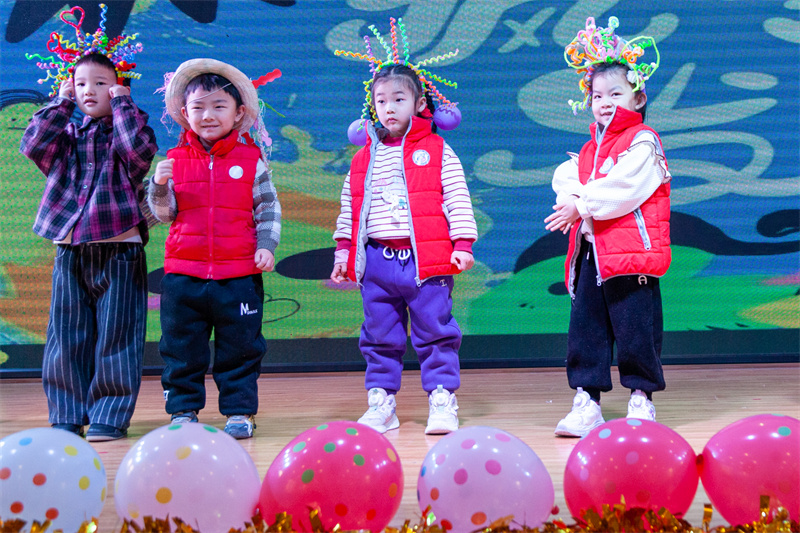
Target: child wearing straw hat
(215, 190)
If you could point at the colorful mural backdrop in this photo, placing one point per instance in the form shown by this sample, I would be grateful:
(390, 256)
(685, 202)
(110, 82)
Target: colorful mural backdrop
(724, 100)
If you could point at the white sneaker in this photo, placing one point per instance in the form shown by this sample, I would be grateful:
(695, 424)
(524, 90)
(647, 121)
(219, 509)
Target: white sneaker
(640, 407)
(443, 415)
(584, 417)
(380, 416)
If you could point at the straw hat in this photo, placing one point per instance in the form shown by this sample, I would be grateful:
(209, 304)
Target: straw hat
(188, 70)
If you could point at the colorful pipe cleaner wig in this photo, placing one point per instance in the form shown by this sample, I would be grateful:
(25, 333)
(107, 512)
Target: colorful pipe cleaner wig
(594, 46)
(395, 56)
(120, 50)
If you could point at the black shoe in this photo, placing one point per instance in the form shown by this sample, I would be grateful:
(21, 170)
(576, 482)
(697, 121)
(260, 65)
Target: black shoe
(103, 432)
(72, 428)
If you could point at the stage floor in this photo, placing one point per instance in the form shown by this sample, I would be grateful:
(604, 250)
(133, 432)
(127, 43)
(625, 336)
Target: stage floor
(699, 401)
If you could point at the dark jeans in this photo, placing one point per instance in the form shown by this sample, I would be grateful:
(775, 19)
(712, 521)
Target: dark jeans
(624, 310)
(190, 309)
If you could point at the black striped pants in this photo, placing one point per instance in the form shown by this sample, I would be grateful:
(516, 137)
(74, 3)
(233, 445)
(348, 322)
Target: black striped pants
(92, 366)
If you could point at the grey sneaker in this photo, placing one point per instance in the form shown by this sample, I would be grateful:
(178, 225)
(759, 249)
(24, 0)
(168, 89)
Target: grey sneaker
(381, 413)
(584, 417)
(240, 426)
(443, 412)
(185, 417)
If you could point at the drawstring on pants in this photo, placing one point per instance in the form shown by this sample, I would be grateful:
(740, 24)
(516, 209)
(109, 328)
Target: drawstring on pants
(402, 255)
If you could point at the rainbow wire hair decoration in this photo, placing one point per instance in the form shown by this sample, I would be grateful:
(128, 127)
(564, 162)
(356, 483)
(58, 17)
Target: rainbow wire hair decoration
(446, 116)
(120, 50)
(594, 46)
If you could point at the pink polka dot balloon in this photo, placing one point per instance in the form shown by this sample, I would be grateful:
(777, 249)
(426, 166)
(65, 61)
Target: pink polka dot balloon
(347, 471)
(756, 456)
(478, 474)
(194, 472)
(50, 474)
(645, 462)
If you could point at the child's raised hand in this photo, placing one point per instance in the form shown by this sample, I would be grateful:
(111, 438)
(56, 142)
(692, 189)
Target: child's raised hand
(565, 215)
(265, 260)
(118, 90)
(462, 260)
(163, 171)
(339, 273)
(67, 89)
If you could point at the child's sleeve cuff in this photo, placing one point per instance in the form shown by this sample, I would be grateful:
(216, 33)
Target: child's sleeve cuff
(462, 245)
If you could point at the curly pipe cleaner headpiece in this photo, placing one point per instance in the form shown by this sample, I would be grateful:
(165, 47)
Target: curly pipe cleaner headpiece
(120, 50)
(446, 116)
(593, 46)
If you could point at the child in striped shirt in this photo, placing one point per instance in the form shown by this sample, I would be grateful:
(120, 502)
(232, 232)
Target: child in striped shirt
(406, 227)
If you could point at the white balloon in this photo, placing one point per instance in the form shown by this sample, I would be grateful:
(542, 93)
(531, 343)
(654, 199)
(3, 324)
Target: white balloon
(50, 474)
(192, 471)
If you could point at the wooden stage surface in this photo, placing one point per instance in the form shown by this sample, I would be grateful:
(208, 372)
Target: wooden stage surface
(699, 401)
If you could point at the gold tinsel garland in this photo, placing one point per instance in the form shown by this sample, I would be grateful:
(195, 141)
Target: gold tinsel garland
(613, 518)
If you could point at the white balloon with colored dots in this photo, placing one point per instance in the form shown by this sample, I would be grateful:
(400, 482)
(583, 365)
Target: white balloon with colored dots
(480, 474)
(194, 472)
(50, 474)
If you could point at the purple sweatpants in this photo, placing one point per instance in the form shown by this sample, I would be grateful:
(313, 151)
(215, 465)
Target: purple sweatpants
(390, 296)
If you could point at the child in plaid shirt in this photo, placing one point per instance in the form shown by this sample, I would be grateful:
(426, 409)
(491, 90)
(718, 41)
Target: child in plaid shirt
(90, 208)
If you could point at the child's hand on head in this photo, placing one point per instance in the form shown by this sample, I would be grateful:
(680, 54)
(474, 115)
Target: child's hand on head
(67, 89)
(339, 273)
(565, 215)
(118, 90)
(163, 171)
(265, 260)
(462, 260)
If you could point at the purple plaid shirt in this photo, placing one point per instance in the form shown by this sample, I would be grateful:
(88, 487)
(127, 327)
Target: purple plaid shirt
(94, 171)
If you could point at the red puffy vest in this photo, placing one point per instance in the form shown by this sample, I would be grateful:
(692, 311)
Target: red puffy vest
(638, 242)
(430, 232)
(213, 235)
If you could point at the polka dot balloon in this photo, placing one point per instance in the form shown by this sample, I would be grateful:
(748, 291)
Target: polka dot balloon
(194, 472)
(758, 455)
(347, 471)
(478, 474)
(645, 462)
(50, 474)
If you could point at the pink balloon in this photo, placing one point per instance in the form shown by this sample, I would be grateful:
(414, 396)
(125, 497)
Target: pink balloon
(646, 462)
(758, 455)
(194, 472)
(347, 471)
(478, 474)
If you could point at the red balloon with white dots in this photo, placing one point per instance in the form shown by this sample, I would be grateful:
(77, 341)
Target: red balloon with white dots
(754, 457)
(342, 473)
(642, 462)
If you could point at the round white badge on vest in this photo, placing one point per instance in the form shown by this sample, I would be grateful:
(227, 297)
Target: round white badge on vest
(236, 172)
(608, 164)
(421, 158)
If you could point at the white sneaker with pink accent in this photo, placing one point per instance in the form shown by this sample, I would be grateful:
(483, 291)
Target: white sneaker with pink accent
(584, 417)
(640, 407)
